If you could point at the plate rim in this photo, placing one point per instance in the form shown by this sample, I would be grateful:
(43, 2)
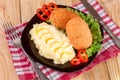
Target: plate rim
(22, 39)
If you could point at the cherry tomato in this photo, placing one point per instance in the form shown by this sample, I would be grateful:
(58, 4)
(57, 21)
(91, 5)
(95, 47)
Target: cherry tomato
(75, 61)
(82, 55)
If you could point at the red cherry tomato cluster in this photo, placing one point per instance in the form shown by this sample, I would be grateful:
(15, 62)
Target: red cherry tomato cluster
(44, 12)
(80, 58)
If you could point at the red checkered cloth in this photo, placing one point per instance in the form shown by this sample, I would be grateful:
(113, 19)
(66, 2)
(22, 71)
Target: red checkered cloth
(25, 71)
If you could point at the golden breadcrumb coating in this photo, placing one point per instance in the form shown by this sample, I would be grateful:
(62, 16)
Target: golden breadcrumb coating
(78, 33)
(60, 16)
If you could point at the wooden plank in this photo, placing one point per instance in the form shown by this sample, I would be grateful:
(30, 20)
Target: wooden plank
(113, 69)
(99, 72)
(6, 65)
(27, 12)
(118, 62)
(83, 76)
(11, 9)
(7, 69)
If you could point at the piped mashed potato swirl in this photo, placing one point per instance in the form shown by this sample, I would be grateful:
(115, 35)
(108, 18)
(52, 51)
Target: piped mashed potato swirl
(52, 43)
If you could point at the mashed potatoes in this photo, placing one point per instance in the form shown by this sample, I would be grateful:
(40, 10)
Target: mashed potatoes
(52, 43)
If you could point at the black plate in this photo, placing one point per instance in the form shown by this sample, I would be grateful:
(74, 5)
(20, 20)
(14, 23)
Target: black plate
(29, 47)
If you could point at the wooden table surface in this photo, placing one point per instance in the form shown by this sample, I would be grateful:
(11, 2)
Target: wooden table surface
(22, 10)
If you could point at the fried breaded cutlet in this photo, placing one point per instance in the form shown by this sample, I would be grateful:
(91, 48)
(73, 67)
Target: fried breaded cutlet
(78, 33)
(60, 16)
